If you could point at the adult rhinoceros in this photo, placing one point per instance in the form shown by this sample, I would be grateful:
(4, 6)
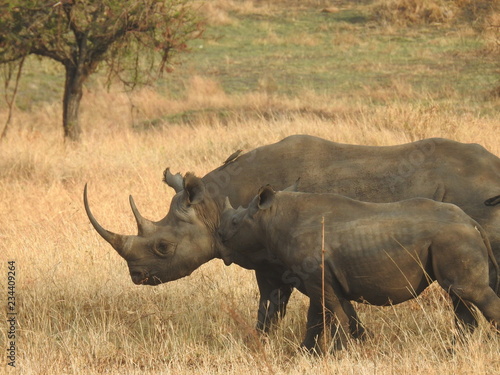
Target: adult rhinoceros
(186, 238)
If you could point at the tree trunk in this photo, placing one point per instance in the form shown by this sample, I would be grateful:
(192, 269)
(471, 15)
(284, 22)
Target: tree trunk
(73, 92)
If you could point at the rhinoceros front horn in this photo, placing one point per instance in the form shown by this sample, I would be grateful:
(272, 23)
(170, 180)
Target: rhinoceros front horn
(118, 241)
(145, 226)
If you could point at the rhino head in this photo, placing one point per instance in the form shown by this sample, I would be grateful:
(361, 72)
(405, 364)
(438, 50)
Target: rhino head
(237, 231)
(239, 228)
(174, 246)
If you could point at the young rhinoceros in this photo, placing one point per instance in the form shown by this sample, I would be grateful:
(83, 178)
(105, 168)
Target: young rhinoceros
(381, 253)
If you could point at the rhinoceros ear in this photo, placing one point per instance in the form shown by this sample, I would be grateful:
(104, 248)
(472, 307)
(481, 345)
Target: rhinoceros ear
(173, 180)
(194, 188)
(266, 197)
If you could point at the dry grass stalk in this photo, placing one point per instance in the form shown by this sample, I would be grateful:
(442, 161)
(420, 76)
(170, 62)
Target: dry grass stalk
(323, 302)
(80, 313)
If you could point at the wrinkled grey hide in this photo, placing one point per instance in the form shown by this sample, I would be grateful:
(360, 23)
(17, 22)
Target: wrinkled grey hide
(173, 247)
(380, 253)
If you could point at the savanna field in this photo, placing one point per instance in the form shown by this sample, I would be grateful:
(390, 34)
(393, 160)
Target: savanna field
(360, 72)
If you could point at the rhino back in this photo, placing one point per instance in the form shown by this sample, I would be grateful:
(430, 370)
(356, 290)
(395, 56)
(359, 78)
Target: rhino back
(296, 220)
(434, 168)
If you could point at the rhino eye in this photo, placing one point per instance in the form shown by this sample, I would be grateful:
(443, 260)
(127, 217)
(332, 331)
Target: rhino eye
(234, 221)
(164, 248)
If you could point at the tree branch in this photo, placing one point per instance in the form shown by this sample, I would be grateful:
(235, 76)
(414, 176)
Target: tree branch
(67, 7)
(44, 52)
(12, 100)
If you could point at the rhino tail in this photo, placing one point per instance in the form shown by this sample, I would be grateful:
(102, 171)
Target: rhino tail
(491, 256)
(493, 201)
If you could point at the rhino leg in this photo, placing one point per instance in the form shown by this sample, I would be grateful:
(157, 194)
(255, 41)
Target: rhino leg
(465, 320)
(339, 324)
(463, 270)
(336, 316)
(487, 302)
(314, 327)
(356, 328)
(274, 296)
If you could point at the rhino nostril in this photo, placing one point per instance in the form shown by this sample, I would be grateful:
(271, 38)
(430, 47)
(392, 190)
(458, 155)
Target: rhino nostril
(139, 277)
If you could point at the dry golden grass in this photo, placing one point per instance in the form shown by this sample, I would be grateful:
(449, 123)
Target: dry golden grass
(482, 15)
(78, 311)
(410, 12)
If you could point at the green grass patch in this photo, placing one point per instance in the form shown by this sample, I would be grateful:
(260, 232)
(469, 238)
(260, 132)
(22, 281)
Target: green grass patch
(342, 54)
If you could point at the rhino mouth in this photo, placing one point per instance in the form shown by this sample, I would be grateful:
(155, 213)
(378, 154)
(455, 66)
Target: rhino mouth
(154, 281)
(138, 281)
(144, 278)
(151, 281)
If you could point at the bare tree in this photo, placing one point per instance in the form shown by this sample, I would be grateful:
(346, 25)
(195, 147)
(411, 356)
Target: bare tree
(129, 37)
